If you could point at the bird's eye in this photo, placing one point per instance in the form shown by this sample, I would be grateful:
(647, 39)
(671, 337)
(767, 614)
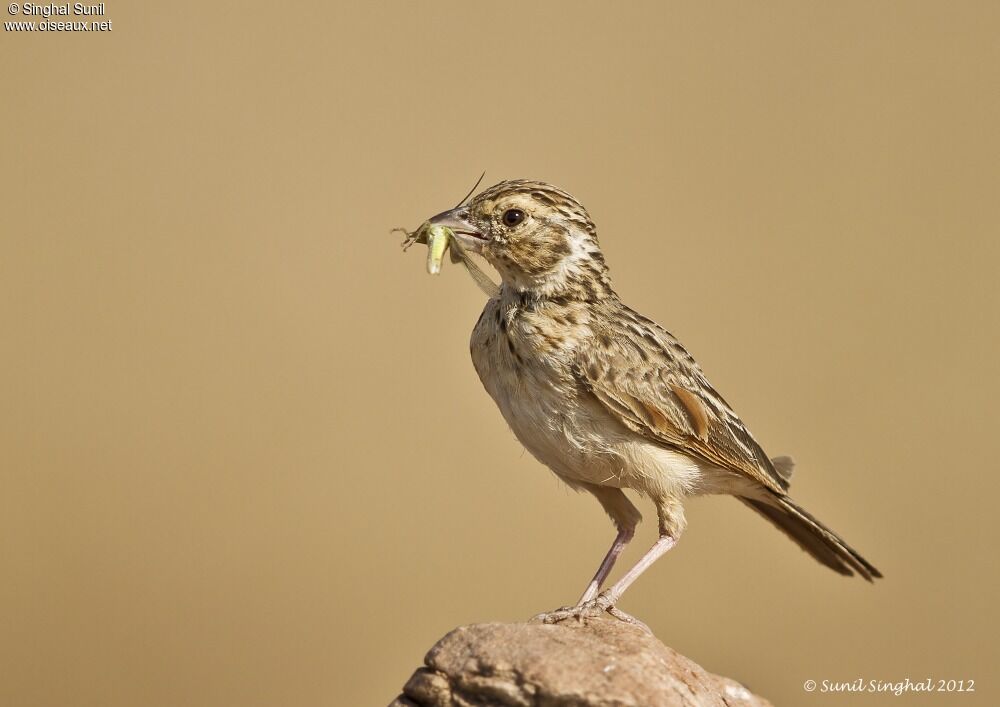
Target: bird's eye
(512, 217)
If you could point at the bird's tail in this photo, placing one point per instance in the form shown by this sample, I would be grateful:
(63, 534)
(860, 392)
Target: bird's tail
(813, 537)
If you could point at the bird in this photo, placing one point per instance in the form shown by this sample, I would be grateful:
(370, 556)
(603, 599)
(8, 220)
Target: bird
(605, 397)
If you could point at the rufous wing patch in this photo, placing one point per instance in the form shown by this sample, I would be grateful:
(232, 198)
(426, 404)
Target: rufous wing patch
(695, 410)
(661, 422)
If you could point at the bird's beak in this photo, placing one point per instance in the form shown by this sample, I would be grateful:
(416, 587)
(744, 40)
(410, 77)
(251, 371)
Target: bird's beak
(458, 221)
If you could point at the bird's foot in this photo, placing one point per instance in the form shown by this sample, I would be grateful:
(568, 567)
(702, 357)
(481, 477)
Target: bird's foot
(594, 608)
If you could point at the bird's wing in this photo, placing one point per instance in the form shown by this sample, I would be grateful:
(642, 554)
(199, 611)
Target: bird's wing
(646, 379)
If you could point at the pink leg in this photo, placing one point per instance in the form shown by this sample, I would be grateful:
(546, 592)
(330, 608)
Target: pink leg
(660, 547)
(607, 599)
(621, 540)
(671, 517)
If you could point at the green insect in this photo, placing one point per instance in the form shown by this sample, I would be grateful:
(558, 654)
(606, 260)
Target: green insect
(438, 239)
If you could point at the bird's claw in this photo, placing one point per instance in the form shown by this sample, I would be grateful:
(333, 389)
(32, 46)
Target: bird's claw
(591, 609)
(628, 619)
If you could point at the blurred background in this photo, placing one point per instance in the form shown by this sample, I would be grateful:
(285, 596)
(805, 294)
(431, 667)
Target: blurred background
(244, 456)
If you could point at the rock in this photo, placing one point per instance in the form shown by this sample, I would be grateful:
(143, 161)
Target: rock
(598, 663)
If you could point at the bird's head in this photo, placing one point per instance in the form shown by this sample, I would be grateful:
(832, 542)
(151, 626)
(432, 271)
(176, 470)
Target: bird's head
(539, 238)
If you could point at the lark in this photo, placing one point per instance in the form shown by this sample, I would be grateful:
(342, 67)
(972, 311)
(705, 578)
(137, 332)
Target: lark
(606, 398)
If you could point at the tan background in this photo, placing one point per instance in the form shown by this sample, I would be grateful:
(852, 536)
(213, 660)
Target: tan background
(231, 472)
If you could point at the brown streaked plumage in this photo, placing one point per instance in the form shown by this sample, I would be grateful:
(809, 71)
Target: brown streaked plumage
(605, 397)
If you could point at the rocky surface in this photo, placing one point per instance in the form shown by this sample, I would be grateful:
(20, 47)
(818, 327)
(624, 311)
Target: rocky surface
(599, 663)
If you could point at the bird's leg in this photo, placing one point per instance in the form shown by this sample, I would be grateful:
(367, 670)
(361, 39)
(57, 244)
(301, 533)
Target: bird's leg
(625, 534)
(671, 525)
(608, 598)
(625, 517)
(621, 540)
(672, 522)
(592, 604)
